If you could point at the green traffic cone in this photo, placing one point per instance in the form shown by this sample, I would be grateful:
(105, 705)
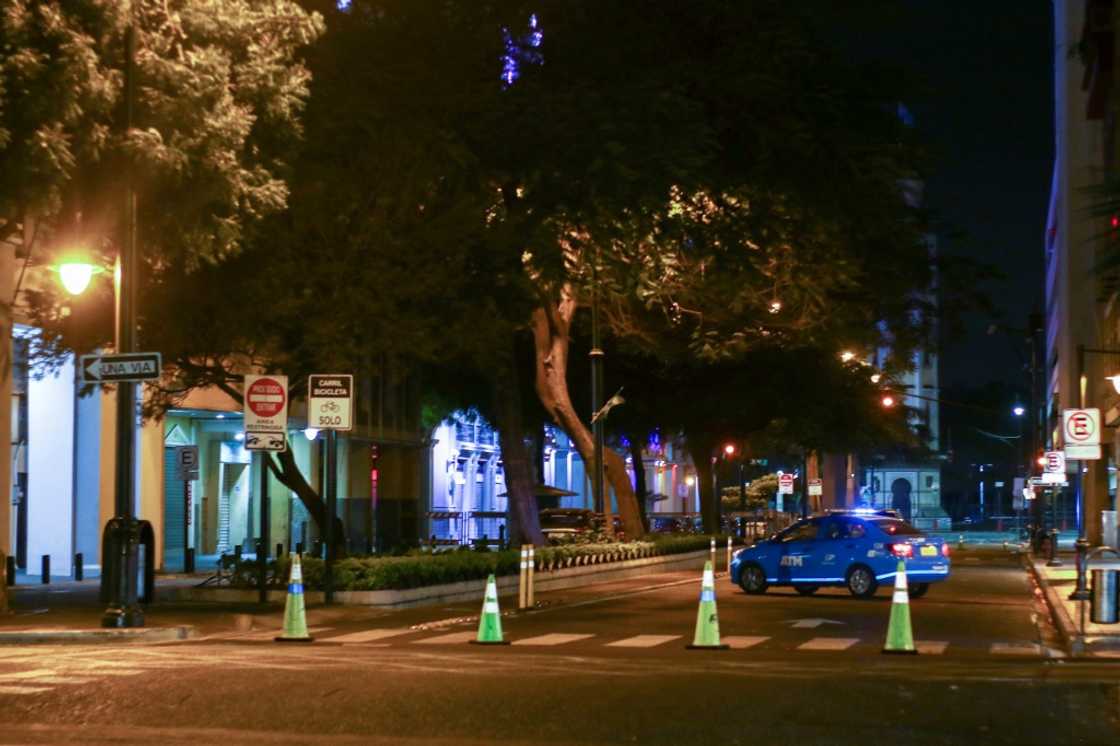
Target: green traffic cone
(490, 623)
(295, 617)
(900, 639)
(707, 620)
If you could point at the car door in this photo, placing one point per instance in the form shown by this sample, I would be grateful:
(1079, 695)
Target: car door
(826, 553)
(794, 563)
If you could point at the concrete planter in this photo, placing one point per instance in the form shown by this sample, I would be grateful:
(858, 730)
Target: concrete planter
(469, 590)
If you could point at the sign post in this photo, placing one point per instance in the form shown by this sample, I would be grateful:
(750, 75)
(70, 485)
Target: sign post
(266, 429)
(330, 398)
(186, 470)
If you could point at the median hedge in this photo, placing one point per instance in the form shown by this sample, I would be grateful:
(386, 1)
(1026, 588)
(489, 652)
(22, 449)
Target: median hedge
(424, 568)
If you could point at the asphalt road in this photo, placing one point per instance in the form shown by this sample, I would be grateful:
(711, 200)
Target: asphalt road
(802, 670)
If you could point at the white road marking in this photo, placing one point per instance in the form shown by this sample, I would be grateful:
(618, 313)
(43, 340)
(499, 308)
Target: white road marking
(448, 639)
(369, 635)
(1016, 648)
(931, 647)
(550, 640)
(643, 641)
(829, 643)
(742, 642)
(269, 634)
(17, 675)
(23, 689)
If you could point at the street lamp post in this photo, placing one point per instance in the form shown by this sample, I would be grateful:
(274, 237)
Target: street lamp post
(123, 609)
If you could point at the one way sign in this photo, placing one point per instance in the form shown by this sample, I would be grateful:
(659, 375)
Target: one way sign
(135, 366)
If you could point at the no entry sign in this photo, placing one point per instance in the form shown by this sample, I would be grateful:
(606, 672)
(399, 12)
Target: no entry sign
(785, 484)
(266, 404)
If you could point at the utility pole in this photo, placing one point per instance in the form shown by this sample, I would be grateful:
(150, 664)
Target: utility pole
(123, 610)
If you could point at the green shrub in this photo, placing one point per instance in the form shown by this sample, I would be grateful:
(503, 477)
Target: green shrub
(418, 569)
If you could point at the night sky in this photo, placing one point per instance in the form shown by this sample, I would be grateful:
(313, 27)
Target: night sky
(988, 115)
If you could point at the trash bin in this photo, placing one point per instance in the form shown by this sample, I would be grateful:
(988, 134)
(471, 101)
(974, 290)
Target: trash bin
(1105, 591)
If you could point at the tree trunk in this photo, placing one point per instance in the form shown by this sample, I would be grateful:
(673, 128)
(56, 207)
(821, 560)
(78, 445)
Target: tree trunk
(551, 328)
(640, 490)
(700, 449)
(524, 517)
(292, 478)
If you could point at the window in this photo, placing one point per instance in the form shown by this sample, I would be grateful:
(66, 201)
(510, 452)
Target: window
(854, 529)
(894, 526)
(804, 531)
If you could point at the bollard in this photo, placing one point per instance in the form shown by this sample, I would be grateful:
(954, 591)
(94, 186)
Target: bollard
(299, 548)
(237, 552)
(79, 569)
(1053, 561)
(46, 576)
(729, 554)
(532, 570)
(188, 561)
(712, 552)
(11, 569)
(501, 537)
(432, 543)
(523, 578)
(279, 549)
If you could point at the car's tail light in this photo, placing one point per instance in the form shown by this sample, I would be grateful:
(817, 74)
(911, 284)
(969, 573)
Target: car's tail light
(945, 549)
(901, 550)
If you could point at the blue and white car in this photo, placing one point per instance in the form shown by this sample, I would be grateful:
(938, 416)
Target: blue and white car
(857, 549)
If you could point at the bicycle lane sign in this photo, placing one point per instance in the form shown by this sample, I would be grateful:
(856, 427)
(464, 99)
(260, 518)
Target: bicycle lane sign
(330, 398)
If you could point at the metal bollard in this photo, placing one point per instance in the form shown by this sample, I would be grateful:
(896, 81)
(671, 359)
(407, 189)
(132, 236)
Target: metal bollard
(712, 554)
(501, 537)
(279, 549)
(79, 569)
(188, 561)
(46, 576)
(11, 569)
(299, 548)
(237, 552)
(523, 578)
(729, 554)
(532, 570)
(1054, 561)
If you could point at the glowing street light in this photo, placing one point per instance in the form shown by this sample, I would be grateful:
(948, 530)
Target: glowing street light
(876, 377)
(729, 449)
(888, 401)
(75, 276)
(1018, 410)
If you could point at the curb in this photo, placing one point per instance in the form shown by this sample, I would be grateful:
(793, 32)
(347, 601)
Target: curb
(96, 636)
(1067, 630)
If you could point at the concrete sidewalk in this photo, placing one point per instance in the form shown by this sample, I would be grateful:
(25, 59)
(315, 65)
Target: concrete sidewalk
(1081, 637)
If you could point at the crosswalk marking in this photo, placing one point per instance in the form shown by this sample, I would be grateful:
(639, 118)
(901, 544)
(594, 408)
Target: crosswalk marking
(268, 634)
(369, 635)
(448, 639)
(829, 643)
(17, 675)
(23, 689)
(1016, 648)
(931, 647)
(742, 642)
(643, 641)
(549, 640)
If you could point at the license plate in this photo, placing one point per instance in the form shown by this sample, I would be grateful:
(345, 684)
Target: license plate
(928, 551)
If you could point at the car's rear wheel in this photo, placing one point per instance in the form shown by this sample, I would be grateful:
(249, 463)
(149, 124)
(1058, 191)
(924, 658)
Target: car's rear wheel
(917, 590)
(806, 590)
(862, 582)
(752, 579)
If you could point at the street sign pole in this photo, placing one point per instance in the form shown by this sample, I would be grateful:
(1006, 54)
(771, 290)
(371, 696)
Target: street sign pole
(332, 486)
(123, 610)
(265, 533)
(188, 558)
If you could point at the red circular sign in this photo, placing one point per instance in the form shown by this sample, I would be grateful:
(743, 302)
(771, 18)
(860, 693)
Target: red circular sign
(266, 397)
(1079, 427)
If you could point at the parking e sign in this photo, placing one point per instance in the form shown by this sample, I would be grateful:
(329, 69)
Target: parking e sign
(1082, 427)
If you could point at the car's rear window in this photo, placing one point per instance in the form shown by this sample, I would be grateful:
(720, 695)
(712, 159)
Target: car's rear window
(894, 526)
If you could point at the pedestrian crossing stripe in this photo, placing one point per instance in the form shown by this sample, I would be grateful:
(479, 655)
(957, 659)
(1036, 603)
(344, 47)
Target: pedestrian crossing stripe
(829, 643)
(369, 635)
(643, 641)
(550, 640)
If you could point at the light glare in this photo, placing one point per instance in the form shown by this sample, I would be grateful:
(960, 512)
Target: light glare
(75, 276)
